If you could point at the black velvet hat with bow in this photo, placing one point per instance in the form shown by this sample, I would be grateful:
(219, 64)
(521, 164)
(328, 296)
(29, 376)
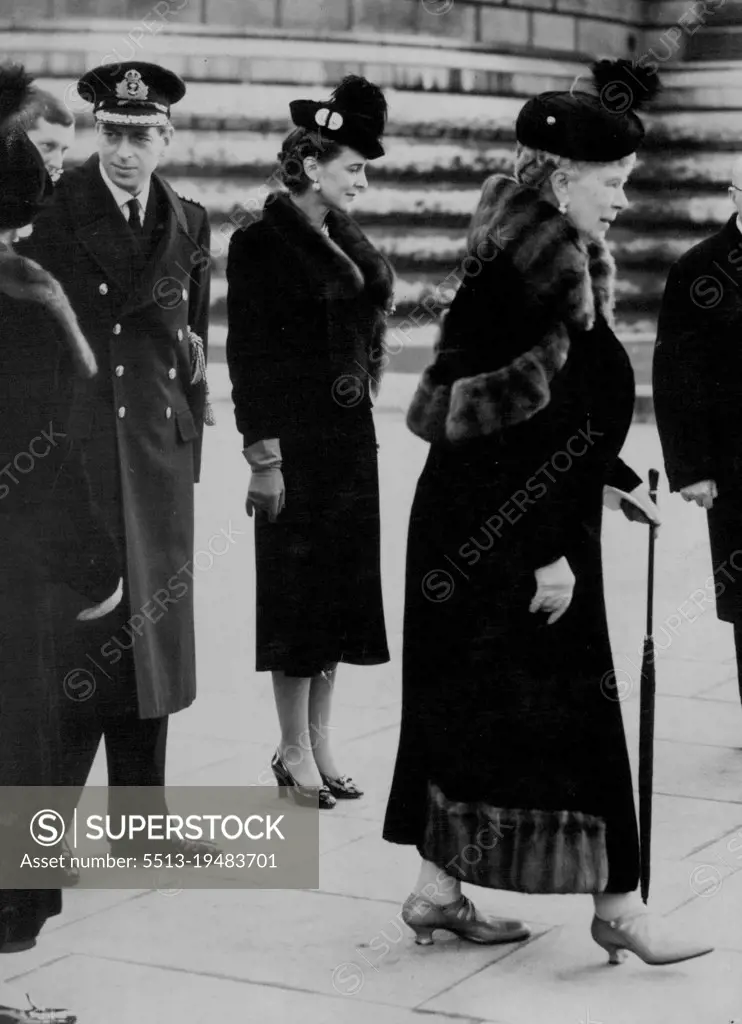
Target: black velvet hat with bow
(354, 116)
(596, 123)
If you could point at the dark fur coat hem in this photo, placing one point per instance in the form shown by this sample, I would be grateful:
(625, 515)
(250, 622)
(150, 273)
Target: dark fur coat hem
(572, 279)
(534, 851)
(21, 278)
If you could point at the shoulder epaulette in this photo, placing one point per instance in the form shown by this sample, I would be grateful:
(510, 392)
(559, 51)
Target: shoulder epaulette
(187, 199)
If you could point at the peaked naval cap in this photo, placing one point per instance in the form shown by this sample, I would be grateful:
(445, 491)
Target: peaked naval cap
(133, 93)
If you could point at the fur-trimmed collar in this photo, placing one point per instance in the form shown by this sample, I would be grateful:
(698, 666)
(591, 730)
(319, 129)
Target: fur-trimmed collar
(572, 280)
(341, 267)
(344, 263)
(22, 278)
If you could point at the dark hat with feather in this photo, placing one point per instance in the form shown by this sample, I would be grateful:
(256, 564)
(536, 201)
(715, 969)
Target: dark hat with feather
(355, 116)
(596, 123)
(23, 178)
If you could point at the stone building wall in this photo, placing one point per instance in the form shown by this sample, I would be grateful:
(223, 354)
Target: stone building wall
(557, 28)
(563, 27)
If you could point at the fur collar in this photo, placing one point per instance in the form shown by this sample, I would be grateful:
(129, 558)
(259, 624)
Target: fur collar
(344, 263)
(570, 279)
(341, 267)
(21, 278)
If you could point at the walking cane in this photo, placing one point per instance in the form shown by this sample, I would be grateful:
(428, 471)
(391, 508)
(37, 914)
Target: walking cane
(646, 714)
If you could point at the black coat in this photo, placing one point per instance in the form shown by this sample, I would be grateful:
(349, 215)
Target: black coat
(139, 421)
(305, 349)
(505, 722)
(698, 395)
(49, 532)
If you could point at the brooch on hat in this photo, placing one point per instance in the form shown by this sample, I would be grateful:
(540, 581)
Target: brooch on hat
(326, 119)
(131, 86)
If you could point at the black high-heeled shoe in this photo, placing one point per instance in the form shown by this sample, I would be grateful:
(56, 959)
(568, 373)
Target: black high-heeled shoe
(304, 796)
(343, 787)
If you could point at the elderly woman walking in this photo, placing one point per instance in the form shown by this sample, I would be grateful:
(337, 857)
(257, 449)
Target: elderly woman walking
(512, 770)
(308, 298)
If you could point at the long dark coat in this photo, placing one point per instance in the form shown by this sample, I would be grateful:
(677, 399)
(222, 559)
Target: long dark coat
(139, 422)
(512, 769)
(698, 395)
(305, 350)
(48, 533)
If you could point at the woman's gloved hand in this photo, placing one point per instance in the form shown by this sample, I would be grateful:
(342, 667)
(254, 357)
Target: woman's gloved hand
(555, 584)
(266, 491)
(636, 505)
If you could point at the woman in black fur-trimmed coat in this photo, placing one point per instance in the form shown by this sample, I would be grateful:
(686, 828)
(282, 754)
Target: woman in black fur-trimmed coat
(49, 529)
(308, 300)
(507, 710)
(512, 770)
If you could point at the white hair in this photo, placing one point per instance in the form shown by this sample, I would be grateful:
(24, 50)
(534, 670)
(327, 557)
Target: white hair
(535, 167)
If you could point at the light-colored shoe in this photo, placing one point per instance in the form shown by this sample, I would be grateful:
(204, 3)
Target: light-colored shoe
(460, 918)
(646, 935)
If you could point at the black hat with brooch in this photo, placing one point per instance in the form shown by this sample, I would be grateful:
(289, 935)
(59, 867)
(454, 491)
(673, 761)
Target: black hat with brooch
(354, 116)
(23, 177)
(133, 93)
(598, 126)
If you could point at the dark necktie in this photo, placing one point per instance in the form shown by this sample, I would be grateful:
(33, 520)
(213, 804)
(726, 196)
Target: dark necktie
(134, 222)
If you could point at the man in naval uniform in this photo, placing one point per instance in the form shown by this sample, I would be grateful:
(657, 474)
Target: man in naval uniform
(134, 259)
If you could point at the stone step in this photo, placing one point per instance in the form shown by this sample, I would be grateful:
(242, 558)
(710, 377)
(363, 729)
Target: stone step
(240, 154)
(427, 113)
(716, 43)
(439, 251)
(446, 205)
(718, 129)
(701, 85)
(249, 158)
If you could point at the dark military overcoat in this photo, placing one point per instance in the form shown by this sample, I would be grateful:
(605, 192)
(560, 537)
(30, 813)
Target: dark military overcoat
(139, 422)
(698, 396)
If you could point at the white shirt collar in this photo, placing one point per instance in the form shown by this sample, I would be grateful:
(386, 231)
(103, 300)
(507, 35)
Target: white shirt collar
(738, 222)
(122, 197)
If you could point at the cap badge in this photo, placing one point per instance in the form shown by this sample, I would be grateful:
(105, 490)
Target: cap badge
(551, 119)
(325, 119)
(131, 86)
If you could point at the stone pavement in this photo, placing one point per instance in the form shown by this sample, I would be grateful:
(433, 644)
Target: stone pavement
(340, 954)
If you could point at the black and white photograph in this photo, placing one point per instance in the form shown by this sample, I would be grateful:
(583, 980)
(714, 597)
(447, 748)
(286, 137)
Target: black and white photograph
(371, 511)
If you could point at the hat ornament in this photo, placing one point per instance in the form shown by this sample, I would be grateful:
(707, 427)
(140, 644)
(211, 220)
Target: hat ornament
(326, 118)
(131, 86)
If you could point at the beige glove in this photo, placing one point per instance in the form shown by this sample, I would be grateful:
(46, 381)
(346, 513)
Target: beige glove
(554, 586)
(266, 492)
(636, 505)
